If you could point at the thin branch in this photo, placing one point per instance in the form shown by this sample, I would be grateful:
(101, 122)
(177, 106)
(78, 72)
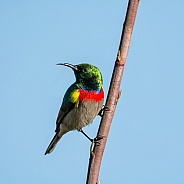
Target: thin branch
(113, 94)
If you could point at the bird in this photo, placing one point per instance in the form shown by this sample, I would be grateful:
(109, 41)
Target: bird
(81, 103)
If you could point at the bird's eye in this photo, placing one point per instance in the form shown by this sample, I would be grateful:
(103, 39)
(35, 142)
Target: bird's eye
(85, 70)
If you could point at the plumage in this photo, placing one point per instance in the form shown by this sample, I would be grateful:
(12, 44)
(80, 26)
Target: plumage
(81, 103)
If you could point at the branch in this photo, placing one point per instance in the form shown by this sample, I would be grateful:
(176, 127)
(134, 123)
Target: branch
(113, 94)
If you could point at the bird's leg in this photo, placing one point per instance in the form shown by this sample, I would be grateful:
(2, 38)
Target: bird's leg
(95, 140)
(85, 135)
(104, 108)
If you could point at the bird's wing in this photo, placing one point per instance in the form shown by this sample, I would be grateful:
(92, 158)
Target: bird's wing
(70, 100)
(64, 110)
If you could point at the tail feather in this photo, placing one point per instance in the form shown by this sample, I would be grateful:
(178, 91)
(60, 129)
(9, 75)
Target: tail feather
(53, 143)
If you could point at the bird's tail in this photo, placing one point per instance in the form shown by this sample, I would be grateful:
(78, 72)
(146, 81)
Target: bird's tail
(53, 143)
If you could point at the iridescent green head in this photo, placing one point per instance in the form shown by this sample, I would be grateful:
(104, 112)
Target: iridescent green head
(87, 76)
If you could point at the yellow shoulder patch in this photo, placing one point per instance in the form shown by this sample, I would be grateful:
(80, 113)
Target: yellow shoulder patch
(75, 97)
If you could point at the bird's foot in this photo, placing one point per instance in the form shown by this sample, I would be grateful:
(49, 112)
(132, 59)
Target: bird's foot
(104, 108)
(95, 140)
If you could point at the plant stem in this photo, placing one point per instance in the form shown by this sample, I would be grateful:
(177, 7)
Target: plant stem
(113, 94)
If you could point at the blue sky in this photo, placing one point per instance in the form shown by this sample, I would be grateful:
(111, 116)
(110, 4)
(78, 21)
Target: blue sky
(145, 143)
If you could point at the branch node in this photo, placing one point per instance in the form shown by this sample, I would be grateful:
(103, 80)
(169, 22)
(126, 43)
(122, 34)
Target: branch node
(119, 61)
(118, 97)
(92, 148)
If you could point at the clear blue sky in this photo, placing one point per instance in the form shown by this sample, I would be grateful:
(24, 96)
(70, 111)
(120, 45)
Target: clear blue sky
(145, 143)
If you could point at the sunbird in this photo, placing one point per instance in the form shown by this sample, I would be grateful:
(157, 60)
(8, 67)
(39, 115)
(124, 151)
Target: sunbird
(82, 101)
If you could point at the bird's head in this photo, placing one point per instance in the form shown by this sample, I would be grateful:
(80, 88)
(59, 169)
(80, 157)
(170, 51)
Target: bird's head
(87, 76)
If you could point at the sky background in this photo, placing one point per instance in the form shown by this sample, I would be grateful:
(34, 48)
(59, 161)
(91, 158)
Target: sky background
(145, 143)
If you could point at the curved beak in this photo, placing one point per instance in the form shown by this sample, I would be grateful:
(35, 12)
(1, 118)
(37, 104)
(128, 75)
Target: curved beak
(74, 67)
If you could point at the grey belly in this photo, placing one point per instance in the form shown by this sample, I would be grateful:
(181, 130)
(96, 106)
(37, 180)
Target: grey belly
(82, 115)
